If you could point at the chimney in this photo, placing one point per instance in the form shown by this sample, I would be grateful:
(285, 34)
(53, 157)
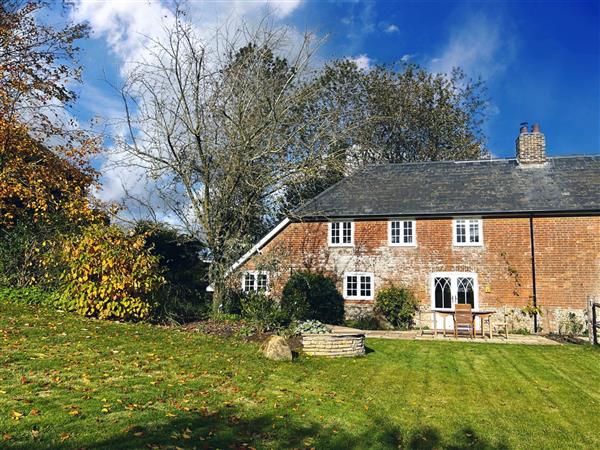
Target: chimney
(531, 146)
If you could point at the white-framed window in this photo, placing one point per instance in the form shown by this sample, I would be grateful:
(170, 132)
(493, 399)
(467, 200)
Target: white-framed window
(402, 232)
(341, 234)
(359, 285)
(467, 232)
(255, 281)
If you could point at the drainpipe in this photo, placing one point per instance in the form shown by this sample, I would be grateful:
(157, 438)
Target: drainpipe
(532, 240)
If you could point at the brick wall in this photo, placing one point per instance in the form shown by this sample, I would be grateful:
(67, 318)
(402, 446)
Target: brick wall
(567, 262)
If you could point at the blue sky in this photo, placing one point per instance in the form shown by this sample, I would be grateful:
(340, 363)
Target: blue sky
(540, 59)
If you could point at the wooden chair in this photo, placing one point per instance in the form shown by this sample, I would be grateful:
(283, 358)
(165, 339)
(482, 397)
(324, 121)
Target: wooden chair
(421, 319)
(501, 323)
(463, 320)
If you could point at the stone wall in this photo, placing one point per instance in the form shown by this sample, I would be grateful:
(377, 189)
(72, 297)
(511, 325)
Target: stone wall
(334, 344)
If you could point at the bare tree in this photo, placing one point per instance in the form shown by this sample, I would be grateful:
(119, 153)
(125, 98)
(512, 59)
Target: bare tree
(221, 126)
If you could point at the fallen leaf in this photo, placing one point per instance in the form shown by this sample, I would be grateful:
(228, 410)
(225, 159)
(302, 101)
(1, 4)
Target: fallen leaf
(7, 437)
(34, 412)
(16, 415)
(64, 437)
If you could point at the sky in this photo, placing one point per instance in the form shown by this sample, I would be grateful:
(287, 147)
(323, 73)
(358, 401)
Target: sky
(539, 59)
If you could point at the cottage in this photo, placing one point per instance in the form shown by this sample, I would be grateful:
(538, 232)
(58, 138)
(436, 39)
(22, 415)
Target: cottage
(518, 235)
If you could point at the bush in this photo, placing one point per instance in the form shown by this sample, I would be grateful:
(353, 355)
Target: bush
(314, 296)
(397, 305)
(263, 312)
(183, 297)
(109, 274)
(365, 322)
(22, 250)
(28, 295)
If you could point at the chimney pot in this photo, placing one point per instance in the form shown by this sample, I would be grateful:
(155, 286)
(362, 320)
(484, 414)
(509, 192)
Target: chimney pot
(523, 127)
(535, 128)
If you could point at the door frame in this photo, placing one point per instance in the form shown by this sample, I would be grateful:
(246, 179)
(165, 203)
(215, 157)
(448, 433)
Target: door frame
(453, 287)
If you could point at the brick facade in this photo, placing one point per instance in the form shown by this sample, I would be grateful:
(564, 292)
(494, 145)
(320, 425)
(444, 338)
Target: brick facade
(567, 256)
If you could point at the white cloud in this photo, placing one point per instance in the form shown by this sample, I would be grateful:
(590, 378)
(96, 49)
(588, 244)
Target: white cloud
(406, 57)
(480, 46)
(390, 29)
(284, 8)
(128, 27)
(362, 61)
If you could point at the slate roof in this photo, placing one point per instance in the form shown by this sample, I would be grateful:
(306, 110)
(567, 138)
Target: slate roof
(492, 187)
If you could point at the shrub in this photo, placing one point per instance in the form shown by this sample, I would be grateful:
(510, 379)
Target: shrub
(22, 250)
(183, 297)
(28, 295)
(571, 325)
(262, 311)
(311, 327)
(365, 322)
(309, 295)
(109, 274)
(398, 305)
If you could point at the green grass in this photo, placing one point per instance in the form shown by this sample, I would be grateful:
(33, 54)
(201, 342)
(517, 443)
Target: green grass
(70, 382)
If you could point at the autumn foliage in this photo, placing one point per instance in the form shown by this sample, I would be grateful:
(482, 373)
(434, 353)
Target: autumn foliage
(44, 155)
(108, 274)
(36, 184)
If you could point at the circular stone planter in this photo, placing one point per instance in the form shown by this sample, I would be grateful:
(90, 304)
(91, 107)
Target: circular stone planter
(334, 344)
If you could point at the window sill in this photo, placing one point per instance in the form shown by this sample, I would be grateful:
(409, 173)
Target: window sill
(456, 244)
(341, 245)
(360, 299)
(401, 245)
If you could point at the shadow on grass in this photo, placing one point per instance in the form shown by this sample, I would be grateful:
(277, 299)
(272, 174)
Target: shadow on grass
(228, 431)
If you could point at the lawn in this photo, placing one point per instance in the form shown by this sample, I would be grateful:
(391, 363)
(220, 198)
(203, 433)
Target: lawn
(70, 382)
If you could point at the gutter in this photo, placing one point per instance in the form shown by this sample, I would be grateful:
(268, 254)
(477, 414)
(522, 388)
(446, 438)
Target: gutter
(532, 245)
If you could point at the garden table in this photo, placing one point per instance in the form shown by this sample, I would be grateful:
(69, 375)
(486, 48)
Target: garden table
(482, 314)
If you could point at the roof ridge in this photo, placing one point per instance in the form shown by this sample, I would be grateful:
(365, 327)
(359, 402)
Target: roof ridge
(483, 160)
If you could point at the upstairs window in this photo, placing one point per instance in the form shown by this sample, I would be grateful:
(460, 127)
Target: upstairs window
(358, 286)
(341, 234)
(468, 232)
(402, 232)
(255, 281)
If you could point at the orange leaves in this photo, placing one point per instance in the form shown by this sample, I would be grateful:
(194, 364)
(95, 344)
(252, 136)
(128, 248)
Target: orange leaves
(36, 182)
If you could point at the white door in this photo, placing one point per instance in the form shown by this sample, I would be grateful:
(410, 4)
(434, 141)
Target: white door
(450, 288)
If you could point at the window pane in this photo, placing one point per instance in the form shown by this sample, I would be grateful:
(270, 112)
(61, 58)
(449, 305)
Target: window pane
(465, 292)
(347, 232)
(335, 232)
(474, 231)
(352, 286)
(395, 232)
(262, 282)
(408, 232)
(365, 286)
(443, 295)
(249, 282)
(461, 231)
